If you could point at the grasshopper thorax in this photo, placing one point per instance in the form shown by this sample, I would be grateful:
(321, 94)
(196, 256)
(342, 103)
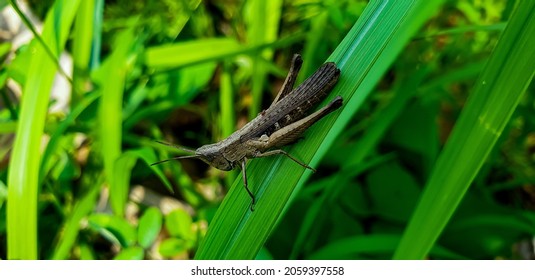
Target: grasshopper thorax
(212, 155)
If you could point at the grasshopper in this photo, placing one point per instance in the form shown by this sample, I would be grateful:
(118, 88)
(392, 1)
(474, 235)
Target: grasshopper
(279, 125)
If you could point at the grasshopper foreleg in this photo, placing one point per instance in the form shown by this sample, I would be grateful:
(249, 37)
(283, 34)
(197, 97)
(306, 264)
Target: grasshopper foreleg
(244, 174)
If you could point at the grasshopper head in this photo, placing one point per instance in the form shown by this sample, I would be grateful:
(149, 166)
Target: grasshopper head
(212, 155)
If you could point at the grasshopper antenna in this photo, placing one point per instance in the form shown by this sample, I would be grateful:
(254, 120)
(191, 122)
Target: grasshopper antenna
(174, 158)
(176, 146)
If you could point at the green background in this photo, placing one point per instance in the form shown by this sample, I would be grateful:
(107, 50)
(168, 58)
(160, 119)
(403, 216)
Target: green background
(431, 156)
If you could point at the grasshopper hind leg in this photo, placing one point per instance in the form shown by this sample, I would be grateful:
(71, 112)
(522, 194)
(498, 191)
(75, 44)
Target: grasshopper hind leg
(289, 82)
(282, 152)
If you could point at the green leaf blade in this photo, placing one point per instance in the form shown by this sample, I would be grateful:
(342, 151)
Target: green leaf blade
(24, 168)
(487, 111)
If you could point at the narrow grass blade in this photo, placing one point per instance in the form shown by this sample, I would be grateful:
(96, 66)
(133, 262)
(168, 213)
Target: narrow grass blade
(228, 118)
(46, 162)
(165, 57)
(82, 45)
(70, 231)
(111, 80)
(360, 247)
(23, 175)
(312, 44)
(47, 48)
(262, 19)
(488, 109)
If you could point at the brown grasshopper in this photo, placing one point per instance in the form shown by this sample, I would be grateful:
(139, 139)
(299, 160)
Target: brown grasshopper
(281, 124)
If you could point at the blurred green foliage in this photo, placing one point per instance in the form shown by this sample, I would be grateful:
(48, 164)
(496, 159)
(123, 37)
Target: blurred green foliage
(192, 71)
